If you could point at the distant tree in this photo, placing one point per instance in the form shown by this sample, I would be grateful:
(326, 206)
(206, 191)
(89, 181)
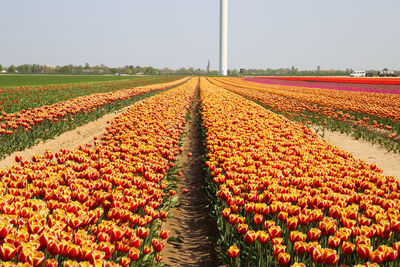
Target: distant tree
(25, 68)
(12, 69)
(86, 66)
(190, 70)
(78, 69)
(150, 70)
(234, 72)
(182, 71)
(36, 68)
(1, 67)
(66, 69)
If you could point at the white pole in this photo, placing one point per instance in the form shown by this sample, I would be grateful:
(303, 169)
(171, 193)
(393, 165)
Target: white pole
(223, 39)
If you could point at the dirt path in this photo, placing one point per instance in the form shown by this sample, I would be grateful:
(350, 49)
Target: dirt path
(190, 221)
(389, 162)
(68, 140)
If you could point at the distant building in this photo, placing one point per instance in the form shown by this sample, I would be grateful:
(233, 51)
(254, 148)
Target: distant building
(208, 67)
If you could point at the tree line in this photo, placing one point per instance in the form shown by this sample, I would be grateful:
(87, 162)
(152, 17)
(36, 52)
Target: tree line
(138, 70)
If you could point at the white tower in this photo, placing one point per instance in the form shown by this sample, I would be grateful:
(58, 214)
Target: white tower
(223, 39)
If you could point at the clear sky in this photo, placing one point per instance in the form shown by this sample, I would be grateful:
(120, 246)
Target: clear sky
(338, 34)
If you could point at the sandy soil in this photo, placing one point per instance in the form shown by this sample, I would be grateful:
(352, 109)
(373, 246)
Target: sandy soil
(190, 221)
(68, 140)
(364, 150)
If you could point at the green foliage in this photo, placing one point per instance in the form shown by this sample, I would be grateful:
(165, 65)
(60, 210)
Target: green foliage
(12, 69)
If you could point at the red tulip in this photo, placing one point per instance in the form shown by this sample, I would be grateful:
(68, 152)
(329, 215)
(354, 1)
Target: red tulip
(36, 258)
(318, 255)
(291, 223)
(313, 234)
(283, 216)
(7, 251)
(377, 256)
(283, 258)
(300, 247)
(107, 248)
(330, 257)
(390, 255)
(250, 237)
(275, 231)
(348, 247)
(164, 234)
(51, 263)
(242, 228)
(296, 236)
(146, 250)
(103, 237)
(262, 237)
(277, 249)
(258, 219)
(124, 261)
(364, 250)
(157, 244)
(158, 258)
(142, 232)
(233, 251)
(233, 219)
(133, 254)
(334, 241)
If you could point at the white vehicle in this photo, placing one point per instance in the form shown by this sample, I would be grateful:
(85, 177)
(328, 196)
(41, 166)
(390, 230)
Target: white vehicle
(358, 73)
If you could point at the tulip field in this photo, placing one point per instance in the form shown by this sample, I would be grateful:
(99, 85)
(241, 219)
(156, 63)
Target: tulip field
(372, 116)
(98, 204)
(35, 114)
(283, 196)
(279, 193)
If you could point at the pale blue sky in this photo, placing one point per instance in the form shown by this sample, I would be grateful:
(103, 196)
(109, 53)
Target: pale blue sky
(358, 34)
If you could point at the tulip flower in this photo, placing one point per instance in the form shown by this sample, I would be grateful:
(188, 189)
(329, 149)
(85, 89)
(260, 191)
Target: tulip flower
(348, 248)
(300, 247)
(51, 263)
(233, 251)
(133, 254)
(7, 252)
(157, 244)
(283, 258)
(164, 234)
(124, 261)
(250, 237)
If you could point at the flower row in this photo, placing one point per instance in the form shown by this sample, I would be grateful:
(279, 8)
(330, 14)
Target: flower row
(283, 195)
(15, 99)
(343, 80)
(372, 128)
(336, 85)
(28, 118)
(99, 204)
(379, 105)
